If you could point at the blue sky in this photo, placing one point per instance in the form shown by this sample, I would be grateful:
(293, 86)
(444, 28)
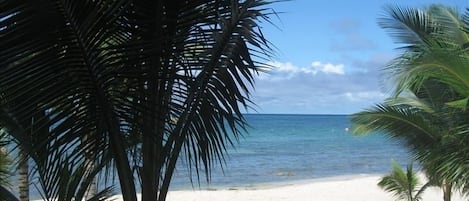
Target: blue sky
(329, 56)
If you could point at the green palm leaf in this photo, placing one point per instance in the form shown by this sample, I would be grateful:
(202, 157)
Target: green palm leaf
(450, 23)
(400, 122)
(408, 26)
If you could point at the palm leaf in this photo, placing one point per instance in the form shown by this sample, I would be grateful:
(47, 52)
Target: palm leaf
(400, 122)
(446, 66)
(408, 26)
(450, 25)
(72, 182)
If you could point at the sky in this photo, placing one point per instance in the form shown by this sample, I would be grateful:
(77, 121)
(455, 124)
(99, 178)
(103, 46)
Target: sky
(329, 56)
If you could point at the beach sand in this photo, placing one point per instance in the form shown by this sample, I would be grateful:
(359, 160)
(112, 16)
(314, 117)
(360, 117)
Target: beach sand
(352, 188)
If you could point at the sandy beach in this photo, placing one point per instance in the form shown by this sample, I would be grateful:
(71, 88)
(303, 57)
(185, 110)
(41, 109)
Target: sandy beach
(351, 188)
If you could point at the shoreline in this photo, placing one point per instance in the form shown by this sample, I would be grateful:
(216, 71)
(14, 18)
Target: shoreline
(341, 188)
(280, 184)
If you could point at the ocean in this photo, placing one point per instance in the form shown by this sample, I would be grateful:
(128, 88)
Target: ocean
(293, 148)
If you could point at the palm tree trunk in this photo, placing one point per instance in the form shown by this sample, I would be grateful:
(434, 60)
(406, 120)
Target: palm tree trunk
(447, 191)
(23, 185)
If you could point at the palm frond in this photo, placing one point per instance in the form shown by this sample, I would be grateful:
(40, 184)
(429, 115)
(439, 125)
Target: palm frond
(446, 66)
(399, 122)
(409, 26)
(449, 23)
(411, 100)
(72, 180)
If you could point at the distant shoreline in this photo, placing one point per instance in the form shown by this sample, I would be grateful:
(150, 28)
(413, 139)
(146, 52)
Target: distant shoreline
(280, 184)
(351, 188)
(273, 184)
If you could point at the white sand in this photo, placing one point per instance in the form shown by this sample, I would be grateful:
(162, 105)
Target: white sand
(354, 188)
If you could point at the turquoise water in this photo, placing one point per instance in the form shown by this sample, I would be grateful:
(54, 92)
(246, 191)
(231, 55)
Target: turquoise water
(288, 148)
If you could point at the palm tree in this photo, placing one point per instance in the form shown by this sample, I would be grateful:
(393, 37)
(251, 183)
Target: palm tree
(428, 110)
(145, 81)
(435, 57)
(404, 185)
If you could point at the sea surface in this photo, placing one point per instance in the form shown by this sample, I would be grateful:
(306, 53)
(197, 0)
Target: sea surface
(292, 148)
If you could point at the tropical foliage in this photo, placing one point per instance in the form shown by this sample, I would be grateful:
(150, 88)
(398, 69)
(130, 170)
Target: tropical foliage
(404, 185)
(428, 111)
(126, 87)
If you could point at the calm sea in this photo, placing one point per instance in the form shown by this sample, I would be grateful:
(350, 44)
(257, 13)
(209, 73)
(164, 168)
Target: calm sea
(289, 148)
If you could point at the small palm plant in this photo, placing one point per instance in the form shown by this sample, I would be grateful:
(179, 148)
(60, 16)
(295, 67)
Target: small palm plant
(403, 185)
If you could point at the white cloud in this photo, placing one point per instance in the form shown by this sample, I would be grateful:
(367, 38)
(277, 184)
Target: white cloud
(365, 95)
(284, 71)
(285, 67)
(328, 68)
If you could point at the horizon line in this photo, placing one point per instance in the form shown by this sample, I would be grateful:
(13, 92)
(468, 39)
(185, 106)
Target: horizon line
(336, 114)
